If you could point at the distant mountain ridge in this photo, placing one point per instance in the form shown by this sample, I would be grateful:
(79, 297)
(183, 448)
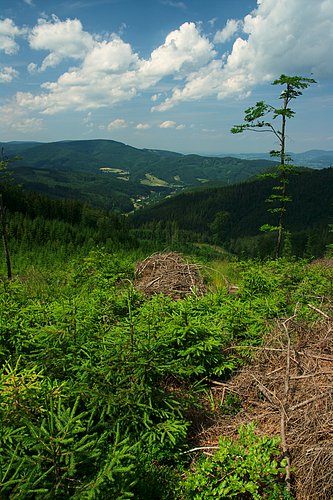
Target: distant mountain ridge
(314, 158)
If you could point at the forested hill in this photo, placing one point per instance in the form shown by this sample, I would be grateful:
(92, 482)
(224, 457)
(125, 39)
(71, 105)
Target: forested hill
(113, 175)
(238, 211)
(173, 168)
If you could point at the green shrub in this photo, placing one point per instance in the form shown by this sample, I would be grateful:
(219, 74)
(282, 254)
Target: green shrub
(248, 468)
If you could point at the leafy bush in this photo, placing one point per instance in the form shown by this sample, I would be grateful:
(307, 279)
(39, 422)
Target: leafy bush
(242, 469)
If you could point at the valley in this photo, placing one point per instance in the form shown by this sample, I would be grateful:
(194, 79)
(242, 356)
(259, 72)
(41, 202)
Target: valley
(79, 168)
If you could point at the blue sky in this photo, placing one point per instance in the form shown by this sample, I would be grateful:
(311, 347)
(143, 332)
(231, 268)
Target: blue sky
(165, 74)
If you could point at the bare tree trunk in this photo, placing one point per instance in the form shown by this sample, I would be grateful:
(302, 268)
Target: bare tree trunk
(4, 237)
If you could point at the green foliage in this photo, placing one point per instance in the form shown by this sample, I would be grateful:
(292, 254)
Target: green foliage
(231, 404)
(247, 468)
(98, 383)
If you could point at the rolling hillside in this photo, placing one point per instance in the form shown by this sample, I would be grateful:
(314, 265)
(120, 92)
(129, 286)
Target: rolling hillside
(111, 174)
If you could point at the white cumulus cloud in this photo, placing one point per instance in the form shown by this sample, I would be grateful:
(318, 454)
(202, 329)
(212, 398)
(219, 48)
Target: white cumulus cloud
(172, 124)
(285, 36)
(32, 68)
(13, 117)
(118, 123)
(8, 32)
(110, 72)
(7, 74)
(142, 126)
(184, 50)
(28, 125)
(114, 56)
(168, 124)
(228, 31)
(63, 39)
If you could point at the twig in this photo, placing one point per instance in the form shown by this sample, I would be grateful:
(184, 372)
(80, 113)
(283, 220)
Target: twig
(316, 356)
(199, 448)
(269, 394)
(316, 374)
(319, 311)
(275, 371)
(223, 396)
(314, 398)
(154, 281)
(223, 384)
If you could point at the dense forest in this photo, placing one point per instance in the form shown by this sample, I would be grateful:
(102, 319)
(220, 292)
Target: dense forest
(111, 392)
(232, 216)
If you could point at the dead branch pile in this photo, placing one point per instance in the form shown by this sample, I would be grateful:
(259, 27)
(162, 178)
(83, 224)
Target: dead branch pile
(170, 274)
(288, 391)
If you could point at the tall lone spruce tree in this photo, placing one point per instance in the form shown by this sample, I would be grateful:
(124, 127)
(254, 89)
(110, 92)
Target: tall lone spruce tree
(255, 119)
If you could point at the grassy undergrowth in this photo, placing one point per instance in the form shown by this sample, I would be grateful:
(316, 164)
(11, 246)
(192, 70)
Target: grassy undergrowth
(99, 384)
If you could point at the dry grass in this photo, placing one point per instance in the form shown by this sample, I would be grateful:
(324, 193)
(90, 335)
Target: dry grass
(170, 274)
(288, 391)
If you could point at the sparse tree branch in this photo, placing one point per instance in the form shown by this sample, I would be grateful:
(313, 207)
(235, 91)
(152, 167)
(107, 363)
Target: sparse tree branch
(253, 115)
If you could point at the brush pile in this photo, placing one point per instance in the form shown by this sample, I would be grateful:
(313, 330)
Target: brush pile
(170, 274)
(288, 391)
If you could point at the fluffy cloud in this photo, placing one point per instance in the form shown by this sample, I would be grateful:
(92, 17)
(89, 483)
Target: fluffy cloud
(106, 77)
(32, 68)
(184, 50)
(8, 32)
(87, 120)
(110, 57)
(16, 118)
(228, 31)
(289, 36)
(64, 39)
(168, 124)
(118, 123)
(7, 74)
(171, 124)
(28, 125)
(110, 71)
(142, 126)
